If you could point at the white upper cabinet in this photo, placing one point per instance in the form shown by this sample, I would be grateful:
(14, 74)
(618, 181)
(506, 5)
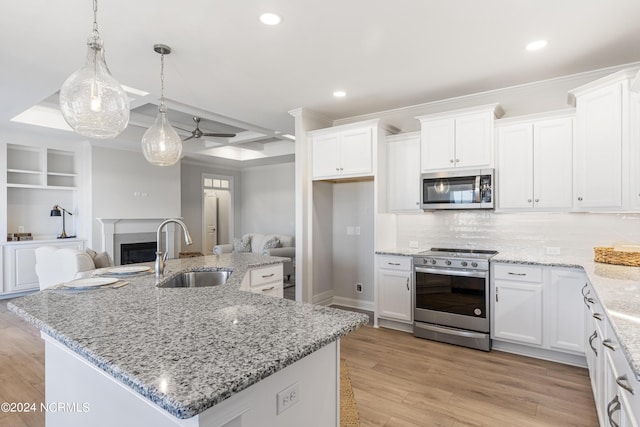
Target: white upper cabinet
(343, 151)
(535, 165)
(403, 163)
(458, 139)
(604, 127)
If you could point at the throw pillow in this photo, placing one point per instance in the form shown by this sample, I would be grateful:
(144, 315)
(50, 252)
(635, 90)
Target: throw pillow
(242, 245)
(100, 260)
(273, 242)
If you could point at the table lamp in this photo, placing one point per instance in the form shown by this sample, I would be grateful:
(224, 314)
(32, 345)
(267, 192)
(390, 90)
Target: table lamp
(55, 211)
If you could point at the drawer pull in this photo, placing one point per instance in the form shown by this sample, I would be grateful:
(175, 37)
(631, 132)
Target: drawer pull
(517, 274)
(607, 343)
(591, 338)
(408, 284)
(612, 408)
(268, 289)
(393, 263)
(268, 275)
(623, 382)
(590, 300)
(597, 316)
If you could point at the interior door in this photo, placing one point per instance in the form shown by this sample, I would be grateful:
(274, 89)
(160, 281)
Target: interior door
(210, 221)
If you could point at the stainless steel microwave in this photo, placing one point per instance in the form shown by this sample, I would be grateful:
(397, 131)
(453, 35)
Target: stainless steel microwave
(468, 189)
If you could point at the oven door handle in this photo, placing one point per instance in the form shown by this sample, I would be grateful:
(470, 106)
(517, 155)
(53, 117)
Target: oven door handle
(451, 272)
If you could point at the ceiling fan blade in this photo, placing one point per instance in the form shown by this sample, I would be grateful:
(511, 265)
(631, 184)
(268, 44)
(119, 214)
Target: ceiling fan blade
(187, 138)
(219, 135)
(184, 130)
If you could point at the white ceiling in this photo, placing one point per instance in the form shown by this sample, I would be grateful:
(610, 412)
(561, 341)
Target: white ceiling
(229, 68)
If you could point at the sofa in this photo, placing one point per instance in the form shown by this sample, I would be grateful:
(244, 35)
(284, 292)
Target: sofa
(58, 265)
(282, 245)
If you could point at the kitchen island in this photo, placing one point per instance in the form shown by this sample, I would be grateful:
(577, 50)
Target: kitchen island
(143, 355)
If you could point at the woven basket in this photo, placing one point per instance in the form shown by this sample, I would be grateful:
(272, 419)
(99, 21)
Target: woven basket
(609, 255)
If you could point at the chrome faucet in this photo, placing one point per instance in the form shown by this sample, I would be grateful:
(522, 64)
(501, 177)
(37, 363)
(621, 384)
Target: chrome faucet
(160, 259)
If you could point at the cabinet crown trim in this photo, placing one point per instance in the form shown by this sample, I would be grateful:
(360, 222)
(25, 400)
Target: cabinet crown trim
(496, 109)
(620, 76)
(356, 125)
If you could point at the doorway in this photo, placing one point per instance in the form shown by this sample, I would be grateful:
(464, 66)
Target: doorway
(217, 211)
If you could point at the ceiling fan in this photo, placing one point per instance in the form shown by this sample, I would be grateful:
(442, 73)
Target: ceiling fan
(197, 133)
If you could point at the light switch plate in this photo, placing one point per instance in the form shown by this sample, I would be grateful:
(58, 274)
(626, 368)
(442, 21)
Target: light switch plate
(553, 250)
(414, 244)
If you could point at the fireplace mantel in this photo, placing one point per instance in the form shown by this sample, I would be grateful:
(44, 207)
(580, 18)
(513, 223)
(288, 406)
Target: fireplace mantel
(113, 226)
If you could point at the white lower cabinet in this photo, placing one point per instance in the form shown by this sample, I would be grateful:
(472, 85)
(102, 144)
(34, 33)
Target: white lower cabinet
(395, 288)
(565, 328)
(517, 304)
(265, 281)
(538, 307)
(19, 263)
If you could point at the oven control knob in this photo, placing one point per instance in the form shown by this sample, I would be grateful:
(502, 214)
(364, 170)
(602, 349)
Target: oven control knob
(464, 263)
(474, 264)
(447, 262)
(433, 261)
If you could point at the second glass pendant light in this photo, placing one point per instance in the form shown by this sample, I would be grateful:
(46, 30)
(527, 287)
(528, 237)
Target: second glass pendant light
(161, 144)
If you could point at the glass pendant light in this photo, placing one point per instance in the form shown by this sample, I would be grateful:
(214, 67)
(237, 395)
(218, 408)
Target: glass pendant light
(92, 102)
(161, 144)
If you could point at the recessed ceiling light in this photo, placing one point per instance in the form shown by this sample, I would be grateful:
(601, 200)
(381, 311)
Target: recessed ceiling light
(339, 93)
(538, 44)
(270, 19)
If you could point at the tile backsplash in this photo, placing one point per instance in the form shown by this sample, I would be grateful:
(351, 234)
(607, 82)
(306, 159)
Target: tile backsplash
(573, 233)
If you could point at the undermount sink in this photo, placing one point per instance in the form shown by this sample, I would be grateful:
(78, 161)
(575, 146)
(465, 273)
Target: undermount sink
(197, 279)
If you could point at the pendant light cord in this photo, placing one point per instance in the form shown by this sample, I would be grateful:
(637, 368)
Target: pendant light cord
(95, 19)
(162, 107)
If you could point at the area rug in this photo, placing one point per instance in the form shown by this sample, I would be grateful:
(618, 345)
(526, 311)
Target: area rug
(348, 410)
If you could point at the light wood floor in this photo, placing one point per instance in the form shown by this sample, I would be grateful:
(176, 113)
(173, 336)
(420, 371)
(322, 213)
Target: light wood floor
(21, 368)
(400, 380)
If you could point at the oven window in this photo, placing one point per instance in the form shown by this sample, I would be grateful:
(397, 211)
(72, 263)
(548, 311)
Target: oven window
(449, 190)
(451, 294)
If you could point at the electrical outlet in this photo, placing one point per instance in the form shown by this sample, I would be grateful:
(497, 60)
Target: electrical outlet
(287, 398)
(553, 250)
(350, 231)
(357, 230)
(414, 244)
(359, 287)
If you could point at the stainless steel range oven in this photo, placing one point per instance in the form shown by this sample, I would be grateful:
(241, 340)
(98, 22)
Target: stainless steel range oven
(452, 296)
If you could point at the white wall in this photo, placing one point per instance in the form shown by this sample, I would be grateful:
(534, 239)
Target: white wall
(526, 233)
(353, 255)
(119, 181)
(268, 199)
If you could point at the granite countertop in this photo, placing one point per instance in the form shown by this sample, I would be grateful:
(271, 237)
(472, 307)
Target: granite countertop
(617, 288)
(187, 349)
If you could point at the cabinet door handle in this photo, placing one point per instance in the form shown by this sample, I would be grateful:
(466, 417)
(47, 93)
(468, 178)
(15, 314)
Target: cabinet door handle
(528, 200)
(585, 288)
(623, 382)
(607, 343)
(450, 160)
(268, 289)
(496, 293)
(408, 284)
(612, 408)
(590, 300)
(264, 276)
(537, 200)
(517, 274)
(579, 199)
(457, 160)
(597, 316)
(591, 338)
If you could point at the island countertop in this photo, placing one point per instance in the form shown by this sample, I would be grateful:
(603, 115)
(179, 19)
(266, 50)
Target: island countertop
(187, 349)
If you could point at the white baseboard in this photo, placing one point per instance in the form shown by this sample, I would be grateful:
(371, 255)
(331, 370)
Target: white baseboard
(540, 353)
(398, 326)
(354, 303)
(324, 298)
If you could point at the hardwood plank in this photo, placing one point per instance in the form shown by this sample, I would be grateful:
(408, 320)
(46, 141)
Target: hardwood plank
(400, 380)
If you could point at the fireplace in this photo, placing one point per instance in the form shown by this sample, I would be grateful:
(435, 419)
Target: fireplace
(132, 253)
